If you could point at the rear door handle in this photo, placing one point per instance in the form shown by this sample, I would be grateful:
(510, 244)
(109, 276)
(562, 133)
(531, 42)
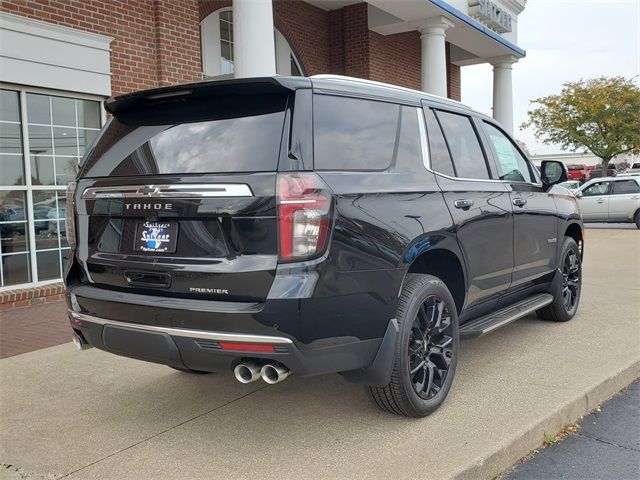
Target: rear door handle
(464, 204)
(519, 202)
(600, 200)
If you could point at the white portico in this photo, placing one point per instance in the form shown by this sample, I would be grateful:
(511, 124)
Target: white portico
(475, 31)
(453, 33)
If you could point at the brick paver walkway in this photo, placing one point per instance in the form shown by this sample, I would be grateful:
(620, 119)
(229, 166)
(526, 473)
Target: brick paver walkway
(31, 328)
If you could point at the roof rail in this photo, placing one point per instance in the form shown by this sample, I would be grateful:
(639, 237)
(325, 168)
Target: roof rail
(345, 78)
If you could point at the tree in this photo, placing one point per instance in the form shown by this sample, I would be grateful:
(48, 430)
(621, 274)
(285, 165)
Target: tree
(601, 115)
(523, 147)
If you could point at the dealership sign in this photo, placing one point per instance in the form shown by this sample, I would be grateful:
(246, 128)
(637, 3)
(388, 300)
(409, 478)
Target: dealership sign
(491, 14)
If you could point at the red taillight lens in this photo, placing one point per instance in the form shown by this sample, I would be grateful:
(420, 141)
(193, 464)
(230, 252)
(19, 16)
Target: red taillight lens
(247, 347)
(304, 206)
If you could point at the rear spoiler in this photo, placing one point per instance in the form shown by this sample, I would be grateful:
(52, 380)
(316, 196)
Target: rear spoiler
(204, 89)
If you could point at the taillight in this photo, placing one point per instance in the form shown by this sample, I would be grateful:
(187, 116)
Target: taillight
(69, 217)
(304, 206)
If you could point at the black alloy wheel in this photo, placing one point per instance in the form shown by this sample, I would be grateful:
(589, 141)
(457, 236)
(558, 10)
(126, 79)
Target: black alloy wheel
(570, 280)
(430, 347)
(565, 290)
(426, 350)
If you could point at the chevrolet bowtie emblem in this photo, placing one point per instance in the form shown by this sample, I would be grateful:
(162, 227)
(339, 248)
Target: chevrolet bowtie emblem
(148, 190)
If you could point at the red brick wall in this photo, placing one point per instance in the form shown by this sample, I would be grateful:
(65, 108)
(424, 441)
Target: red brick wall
(141, 30)
(396, 59)
(177, 41)
(453, 77)
(306, 28)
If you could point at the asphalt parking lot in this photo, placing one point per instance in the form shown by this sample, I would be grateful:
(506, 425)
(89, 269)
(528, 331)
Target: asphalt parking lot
(92, 415)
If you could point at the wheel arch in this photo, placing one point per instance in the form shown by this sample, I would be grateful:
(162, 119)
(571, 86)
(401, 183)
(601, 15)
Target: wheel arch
(447, 266)
(576, 231)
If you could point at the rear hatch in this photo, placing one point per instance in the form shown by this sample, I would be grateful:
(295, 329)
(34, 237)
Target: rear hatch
(177, 196)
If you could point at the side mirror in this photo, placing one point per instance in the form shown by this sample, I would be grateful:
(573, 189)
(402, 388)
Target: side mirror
(578, 194)
(553, 172)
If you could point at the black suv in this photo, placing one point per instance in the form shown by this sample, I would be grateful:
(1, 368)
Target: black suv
(288, 225)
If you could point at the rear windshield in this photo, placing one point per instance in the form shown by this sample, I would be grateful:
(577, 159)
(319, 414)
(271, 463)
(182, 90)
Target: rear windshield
(575, 167)
(188, 139)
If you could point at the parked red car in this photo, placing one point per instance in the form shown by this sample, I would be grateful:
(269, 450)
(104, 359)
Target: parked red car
(579, 172)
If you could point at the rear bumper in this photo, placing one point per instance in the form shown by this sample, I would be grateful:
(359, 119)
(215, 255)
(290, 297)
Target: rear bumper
(366, 360)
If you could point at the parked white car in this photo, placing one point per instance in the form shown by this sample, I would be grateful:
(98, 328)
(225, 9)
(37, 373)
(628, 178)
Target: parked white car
(610, 199)
(572, 185)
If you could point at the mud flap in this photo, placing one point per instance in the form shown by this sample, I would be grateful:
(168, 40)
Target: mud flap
(378, 374)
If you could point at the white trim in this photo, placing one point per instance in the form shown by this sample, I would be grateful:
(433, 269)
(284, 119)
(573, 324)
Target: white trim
(34, 52)
(53, 31)
(210, 43)
(56, 93)
(27, 176)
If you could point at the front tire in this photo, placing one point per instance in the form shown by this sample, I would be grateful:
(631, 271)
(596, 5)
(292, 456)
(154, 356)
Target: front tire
(566, 294)
(426, 351)
(636, 219)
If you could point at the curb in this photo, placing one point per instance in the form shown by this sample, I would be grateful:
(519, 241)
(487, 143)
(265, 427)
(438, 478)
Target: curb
(524, 442)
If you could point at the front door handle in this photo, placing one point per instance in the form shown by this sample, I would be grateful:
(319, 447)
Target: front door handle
(600, 200)
(464, 204)
(519, 202)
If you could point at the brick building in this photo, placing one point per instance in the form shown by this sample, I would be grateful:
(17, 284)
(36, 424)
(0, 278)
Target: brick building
(60, 58)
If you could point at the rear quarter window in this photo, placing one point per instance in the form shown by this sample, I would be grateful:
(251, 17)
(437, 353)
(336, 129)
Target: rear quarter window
(622, 187)
(357, 134)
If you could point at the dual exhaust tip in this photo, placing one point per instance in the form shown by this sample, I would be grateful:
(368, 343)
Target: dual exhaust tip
(271, 373)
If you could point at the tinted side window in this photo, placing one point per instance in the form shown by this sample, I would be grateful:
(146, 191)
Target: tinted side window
(464, 146)
(512, 165)
(622, 187)
(439, 153)
(600, 188)
(355, 134)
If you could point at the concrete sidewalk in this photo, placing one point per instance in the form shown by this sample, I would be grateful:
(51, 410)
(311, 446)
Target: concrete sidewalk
(92, 415)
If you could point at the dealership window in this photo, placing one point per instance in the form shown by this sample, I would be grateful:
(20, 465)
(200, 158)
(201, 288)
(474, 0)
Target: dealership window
(42, 138)
(216, 36)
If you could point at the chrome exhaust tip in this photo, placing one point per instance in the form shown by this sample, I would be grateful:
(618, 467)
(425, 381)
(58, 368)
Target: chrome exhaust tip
(273, 373)
(79, 342)
(247, 372)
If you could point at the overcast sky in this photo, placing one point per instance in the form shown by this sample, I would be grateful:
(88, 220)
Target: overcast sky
(565, 40)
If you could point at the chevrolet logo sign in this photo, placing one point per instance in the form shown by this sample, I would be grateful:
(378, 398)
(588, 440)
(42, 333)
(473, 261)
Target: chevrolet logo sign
(148, 190)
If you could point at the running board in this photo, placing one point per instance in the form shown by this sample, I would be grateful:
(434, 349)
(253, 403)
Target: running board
(504, 316)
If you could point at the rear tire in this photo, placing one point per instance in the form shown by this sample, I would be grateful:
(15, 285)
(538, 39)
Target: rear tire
(566, 294)
(636, 219)
(188, 370)
(426, 353)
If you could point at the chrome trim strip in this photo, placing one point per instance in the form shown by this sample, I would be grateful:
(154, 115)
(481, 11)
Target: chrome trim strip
(187, 190)
(422, 128)
(183, 332)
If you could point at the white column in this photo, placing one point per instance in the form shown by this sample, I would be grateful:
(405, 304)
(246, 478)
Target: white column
(434, 55)
(254, 52)
(503, 91)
